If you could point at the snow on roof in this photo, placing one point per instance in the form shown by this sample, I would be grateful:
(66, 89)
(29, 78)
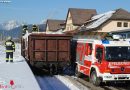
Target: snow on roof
(97, 20)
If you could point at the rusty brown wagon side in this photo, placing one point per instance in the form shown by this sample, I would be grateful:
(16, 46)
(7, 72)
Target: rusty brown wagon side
(48, 50)
(23, 47)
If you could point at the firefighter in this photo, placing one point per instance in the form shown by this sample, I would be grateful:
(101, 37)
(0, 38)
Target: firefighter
(35, 28)
(10, 48)
(25, 29)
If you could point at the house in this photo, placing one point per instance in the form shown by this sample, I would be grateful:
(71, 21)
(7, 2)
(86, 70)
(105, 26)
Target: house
(111, 21)
(55, 26)
(76, 17)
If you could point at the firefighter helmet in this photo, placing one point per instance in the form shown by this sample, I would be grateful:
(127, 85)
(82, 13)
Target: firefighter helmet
(25, 26)
(35, 28)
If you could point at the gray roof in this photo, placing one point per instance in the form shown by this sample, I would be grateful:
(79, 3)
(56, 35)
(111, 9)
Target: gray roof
(121, 14)
(55, 25)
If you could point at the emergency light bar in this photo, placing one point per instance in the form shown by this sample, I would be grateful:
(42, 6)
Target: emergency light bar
(105, 41)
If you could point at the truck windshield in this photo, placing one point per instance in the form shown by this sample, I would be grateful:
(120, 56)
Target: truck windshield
(117, 54)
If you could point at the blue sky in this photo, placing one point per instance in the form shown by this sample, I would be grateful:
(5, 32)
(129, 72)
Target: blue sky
(36, 11)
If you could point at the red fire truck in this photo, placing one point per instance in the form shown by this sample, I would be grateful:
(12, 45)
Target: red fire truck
(103, 60)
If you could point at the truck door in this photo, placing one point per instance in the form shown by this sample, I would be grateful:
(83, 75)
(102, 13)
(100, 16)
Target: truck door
(99, 54)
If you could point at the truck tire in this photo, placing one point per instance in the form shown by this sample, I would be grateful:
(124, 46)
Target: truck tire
(77, 73)
(94, 79)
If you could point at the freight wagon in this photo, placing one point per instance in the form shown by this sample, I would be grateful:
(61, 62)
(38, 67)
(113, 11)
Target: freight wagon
(47, 51)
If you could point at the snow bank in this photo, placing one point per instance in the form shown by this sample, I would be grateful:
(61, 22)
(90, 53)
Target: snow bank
(27, 33)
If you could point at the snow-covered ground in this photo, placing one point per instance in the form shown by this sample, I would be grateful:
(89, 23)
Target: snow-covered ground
(17, 75)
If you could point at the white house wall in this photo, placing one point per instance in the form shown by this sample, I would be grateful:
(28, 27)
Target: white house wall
(112, 26)
(69, 23)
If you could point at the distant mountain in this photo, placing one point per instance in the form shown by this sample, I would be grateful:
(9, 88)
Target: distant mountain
(9, 25)
(14, 29)
(17, 32)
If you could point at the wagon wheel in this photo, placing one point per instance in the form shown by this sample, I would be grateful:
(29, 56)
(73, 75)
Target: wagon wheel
(94, 79)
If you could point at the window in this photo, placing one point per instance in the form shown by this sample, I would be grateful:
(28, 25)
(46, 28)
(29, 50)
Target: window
(119, 24)
(125, 24)
(99, 54)
(128, 35)
(88, 50)
(123, 35)
(117, 53)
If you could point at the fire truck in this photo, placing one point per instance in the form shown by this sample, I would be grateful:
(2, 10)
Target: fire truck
(103, 60)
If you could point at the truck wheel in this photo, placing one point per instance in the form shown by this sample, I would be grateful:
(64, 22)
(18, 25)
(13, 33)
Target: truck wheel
(94, 79)
(77, 73)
